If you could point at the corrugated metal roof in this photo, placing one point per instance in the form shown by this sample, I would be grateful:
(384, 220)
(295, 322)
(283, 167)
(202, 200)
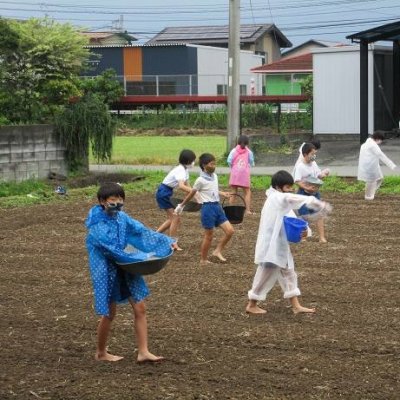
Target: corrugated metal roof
(302, 63)
(389, 32)
(138, 45)
(249, 33)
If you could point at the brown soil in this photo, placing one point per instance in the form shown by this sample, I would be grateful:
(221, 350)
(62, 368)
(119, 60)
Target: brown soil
(349, 349)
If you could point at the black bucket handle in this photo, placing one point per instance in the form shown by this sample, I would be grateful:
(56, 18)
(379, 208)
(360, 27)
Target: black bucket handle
(234, 194)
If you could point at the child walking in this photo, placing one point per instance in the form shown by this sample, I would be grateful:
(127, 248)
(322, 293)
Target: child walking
(272, 254)
(177, 178)
(304, 169)
(212, 214)
(369, 169)
(240, 159)
(110, 230)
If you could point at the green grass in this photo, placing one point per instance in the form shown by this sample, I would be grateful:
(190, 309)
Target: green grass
(163, 150)
(37, 192)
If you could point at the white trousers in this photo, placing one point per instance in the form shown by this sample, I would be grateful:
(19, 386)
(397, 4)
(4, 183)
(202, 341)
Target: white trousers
(265, 278)
(371, 187)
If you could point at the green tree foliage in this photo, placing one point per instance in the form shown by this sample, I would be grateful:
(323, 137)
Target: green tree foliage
(85, 123)
(106, 86)
(307, 88)
(40, 61)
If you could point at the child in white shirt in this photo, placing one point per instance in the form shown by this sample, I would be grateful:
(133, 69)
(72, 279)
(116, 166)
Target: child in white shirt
(177, 178)
(304, 169)
(212, 214)
(272, 254)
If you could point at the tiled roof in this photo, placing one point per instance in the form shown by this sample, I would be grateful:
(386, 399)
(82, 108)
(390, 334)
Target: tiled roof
(249, 33)
(96, 37)
(302, 63)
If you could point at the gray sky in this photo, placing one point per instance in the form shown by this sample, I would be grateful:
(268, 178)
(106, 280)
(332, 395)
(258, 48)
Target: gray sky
(299, 20)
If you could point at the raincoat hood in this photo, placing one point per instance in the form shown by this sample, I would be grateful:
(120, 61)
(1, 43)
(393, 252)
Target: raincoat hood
(97, 215)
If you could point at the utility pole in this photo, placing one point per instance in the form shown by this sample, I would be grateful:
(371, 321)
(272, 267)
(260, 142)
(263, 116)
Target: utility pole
(233, 74)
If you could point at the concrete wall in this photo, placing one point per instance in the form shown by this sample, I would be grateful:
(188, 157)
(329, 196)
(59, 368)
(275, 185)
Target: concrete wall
(28, 152)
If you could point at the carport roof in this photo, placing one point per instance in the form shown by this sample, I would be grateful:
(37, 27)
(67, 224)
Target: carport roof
(389, 32)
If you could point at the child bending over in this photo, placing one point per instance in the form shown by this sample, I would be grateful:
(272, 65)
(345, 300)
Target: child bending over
(110, 230)
(272, 254)
(212, 214)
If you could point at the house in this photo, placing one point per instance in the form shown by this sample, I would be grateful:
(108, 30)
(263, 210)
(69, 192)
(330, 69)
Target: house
(284, 77)
(264, 39)
(307, 46)
(108, 38)
(173, 69)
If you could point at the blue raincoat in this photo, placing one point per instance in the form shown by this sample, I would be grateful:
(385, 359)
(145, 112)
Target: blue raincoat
(106, 240)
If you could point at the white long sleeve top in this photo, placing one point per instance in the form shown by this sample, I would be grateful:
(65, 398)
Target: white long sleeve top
(368, 162)
(272, 245)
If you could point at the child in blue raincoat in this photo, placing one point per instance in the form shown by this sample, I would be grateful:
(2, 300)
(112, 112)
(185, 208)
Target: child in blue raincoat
(110, 230)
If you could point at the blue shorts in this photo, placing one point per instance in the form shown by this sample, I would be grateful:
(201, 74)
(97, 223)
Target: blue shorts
(212, 215)
(163, 197)
(304, 210)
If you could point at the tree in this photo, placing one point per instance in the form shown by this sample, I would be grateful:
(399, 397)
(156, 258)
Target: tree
(40, 62)
(106, 86)
(83, 125)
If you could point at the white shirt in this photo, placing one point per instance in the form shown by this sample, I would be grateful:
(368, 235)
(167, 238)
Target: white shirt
(368, 163)
(176, 175)
(272, 245)
(207, 187)
(303, 170)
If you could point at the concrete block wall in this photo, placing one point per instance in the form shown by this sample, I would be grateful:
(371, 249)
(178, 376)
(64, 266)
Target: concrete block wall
(30, 152)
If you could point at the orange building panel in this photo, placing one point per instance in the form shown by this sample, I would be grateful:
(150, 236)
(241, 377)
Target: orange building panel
(133, 64)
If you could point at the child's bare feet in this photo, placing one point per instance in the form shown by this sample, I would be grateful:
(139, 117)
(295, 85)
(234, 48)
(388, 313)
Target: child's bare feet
(250, 309)
(148, 357)
(301, 309)
(205, 262)
(107, 357)
(219, 255)
(323, 240)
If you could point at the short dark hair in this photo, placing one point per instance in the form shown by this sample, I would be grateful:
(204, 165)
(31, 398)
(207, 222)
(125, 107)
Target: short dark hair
(306, 149)
(280, 179)
(186, 157)
(243, 141)
(109, 189)
(316, 142)
(378, 135)
(204, 159)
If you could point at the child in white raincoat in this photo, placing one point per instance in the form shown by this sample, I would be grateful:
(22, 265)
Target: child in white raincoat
(369, 169)
(272, 254)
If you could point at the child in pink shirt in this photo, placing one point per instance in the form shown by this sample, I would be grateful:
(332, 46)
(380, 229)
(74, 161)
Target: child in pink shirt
(240, 160)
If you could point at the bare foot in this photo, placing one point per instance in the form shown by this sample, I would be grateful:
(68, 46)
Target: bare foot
(249, 213)
(323, 240)
(255, 310)
(205, 262)
(301, 309)
(148, 358)
(219, 255)
(107, 357)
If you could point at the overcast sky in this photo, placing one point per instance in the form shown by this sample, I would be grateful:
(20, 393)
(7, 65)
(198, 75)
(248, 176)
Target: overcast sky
(299, 20)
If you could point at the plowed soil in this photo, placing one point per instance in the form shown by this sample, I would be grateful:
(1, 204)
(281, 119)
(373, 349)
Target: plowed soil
(350, 349)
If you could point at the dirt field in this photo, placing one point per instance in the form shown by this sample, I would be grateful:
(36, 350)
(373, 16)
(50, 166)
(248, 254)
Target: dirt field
(348, 350)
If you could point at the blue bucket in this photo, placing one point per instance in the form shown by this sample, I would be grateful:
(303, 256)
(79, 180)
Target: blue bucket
(294, 228)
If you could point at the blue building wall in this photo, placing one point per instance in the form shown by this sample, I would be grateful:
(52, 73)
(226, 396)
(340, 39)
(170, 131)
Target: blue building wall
(109, 57)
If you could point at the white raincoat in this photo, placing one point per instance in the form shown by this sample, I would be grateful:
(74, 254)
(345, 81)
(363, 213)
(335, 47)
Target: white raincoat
(369, 169)
(272, 245)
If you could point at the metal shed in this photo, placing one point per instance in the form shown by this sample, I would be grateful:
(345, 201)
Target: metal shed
(388, 32)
